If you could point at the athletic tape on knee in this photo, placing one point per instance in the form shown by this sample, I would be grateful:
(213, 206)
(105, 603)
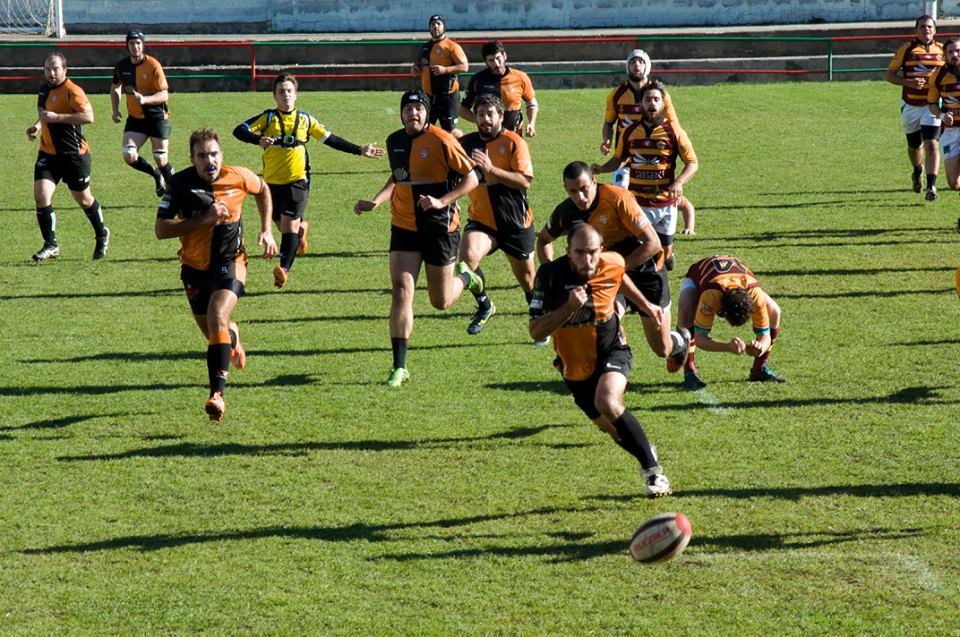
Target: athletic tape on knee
(159, 155)
(129, 152)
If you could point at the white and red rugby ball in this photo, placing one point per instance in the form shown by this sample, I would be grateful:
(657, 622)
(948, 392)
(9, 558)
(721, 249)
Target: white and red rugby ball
(661, 537)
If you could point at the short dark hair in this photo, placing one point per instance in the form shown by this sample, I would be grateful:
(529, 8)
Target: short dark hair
(284, 77)
(488, 99)
(201, 136)
(492, 48)
(736, 305)
(56, 54)
(579, 229)
(949, 42)
(574, 169)
(924, 18)
(653, 85)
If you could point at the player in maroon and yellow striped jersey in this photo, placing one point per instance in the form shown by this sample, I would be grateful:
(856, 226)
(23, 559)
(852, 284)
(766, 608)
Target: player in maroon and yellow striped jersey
(575, 301)
(651, 147)
(943, 98)
(430, 171)
(912, 67)
(202, 206)
(62, 110)
(723, 286)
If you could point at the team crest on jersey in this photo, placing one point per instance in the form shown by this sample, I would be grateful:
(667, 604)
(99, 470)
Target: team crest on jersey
(229, 192)
(503, 149)
(602, 219)
(53, 98)
(424, 153)
(144, 76)
(400, 174)
(661, 145)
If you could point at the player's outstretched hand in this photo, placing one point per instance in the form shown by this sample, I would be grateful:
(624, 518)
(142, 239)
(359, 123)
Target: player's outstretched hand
(32, 132)
(370, 150)
(688, 230)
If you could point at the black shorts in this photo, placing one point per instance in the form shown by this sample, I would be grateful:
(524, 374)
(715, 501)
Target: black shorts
(584, 392)
(150, 127)
(289, 200)
(518, 243)
(437, 248)
(445, 109)
(654, 286)
(74, 170)
(200, 284)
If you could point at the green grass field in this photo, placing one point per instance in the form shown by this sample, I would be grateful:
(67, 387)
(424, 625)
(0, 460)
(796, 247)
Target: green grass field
(477, 500)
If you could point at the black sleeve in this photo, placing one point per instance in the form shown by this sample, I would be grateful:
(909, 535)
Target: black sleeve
(342, 145)
(244, 134)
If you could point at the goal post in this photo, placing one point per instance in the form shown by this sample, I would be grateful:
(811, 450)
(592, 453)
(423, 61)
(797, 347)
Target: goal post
(41, 17)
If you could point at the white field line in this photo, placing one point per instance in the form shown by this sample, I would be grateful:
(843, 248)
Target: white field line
(911, 565)
(713, 405)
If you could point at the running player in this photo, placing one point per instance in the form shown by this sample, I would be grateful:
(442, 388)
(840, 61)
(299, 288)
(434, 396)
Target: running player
(724, 286)
(62, 110)
(202, 207)
(626, 230)
(499, 212)
(283, 133)
(437, 66)
(943, 99)
(650, 147)
(912, 66)
(143, 81)
(430, 171)
(507, 83)
(574, 300)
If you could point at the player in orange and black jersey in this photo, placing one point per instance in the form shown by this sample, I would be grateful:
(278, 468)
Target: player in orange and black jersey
(507, 83)
(575, 301)
(62, 110)
(143, 81)
(651, 147)
(626, 230)
(203, 206)
(943, 100)
(723, 285)
(913, 65)
(437, 66)
(500, 216)
(430, 171)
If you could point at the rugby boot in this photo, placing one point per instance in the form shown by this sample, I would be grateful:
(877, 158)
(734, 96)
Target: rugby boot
(216, 407)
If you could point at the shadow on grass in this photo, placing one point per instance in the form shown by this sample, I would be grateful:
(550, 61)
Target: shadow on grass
(906, 489)
(291, 380)
(946, 341)
(852, 271)
(349, 533)
(874, 293)
(906, 396)
(831, 203)
(560, 388)
(194, 450)
(131, 294)
(66, 421)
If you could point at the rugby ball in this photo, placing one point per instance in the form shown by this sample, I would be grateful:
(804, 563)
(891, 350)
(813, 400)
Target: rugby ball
(660, 538)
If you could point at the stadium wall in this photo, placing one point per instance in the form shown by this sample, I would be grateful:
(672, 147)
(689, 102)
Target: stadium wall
(335, 16)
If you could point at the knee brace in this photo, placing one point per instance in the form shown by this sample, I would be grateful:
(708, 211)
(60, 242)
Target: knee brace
(129, 153)
(159, 156)
(914, 140)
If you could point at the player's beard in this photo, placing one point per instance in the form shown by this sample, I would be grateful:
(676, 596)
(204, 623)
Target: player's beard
(653, 120)
(635, 78)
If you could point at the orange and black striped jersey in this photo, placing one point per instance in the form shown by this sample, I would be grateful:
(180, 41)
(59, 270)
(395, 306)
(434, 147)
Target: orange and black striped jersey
(624, 109)
(189, 195)
(430, 163)
(712, 277)
(615, 214)
(64, 99)
(916, 59)
(443, 52)
(146, 78)
(594, 330)
(652, 152)
(944, 91)
(499, 206)
(513, 87)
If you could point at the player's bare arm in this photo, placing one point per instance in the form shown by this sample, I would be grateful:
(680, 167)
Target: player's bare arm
(675, 189)
(170, 228)
(115, 103)
(545, 246)
(649, 247)
(466, 184)
(612, 164)
(366, 205)
(265, 208)
(606, 138)
(634, 295)
(495, 175)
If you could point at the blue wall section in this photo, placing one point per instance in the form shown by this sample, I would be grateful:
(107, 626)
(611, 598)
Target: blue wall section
(389, 15)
